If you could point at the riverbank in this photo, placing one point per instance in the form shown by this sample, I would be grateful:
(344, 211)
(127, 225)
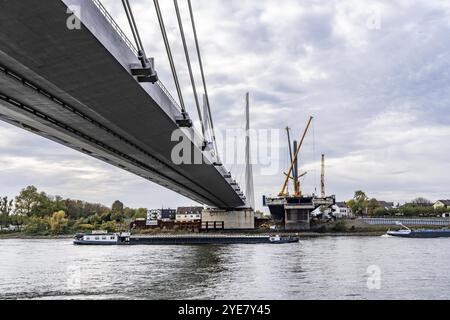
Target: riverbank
(341, 228)
(20, 235)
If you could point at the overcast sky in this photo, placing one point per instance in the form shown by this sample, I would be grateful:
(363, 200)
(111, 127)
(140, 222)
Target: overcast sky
(374, 74)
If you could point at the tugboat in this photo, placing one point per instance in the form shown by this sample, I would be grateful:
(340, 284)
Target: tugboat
(421, 233)
(102, 238)
(280, 239)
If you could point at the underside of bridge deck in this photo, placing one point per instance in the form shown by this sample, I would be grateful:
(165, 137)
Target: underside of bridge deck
(75, 87)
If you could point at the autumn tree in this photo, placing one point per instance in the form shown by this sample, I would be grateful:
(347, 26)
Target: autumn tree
(58, 222)
(141, 213)
(420, 201)
(58, 204)
(117, 211)
(30, 202)
(6, 206)
(117, 206)
(37, 225)
(359, 203)
(27, 200)
(372, 205)
(110, 226)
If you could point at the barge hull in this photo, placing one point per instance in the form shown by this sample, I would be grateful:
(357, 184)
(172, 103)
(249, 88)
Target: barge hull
(428, 234)
(93, 243)
(197, 240)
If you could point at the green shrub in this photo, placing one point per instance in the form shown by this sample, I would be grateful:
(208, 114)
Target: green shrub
(37, 226)
(109, 226)
(340, 226)
(85, 227)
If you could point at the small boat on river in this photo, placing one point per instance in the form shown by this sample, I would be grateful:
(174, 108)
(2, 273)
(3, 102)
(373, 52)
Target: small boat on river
(283, 239)
(101, 238)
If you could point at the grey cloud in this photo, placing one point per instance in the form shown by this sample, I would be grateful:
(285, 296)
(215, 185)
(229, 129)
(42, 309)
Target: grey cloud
(381, 98)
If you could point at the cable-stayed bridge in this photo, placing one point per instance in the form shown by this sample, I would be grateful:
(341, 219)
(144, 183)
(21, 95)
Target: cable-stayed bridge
(93, 90)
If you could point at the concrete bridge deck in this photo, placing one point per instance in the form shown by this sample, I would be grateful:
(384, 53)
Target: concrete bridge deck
(75, 87)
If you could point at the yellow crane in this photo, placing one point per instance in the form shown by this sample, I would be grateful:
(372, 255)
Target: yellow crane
(297, 191)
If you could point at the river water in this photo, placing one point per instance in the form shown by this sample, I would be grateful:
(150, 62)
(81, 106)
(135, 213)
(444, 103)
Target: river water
(321, 268)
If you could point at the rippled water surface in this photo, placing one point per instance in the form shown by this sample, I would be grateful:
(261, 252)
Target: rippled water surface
(322, 268)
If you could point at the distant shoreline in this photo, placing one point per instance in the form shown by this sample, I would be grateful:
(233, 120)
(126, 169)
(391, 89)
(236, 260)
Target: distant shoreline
(11, 236)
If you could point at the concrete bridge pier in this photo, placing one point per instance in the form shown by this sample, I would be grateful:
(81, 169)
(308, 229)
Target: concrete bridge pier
(236, 219)
(297, 217)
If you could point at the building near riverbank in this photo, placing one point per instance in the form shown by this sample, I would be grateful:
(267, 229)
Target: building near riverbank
(342, 210)
(387, 205)
(189, 218)
(199, 218)
(189, 214)
(442, 204)
(161, 214)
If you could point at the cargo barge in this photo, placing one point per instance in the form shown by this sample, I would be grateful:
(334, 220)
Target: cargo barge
(420, 233)
(198, 239)
(127, 239)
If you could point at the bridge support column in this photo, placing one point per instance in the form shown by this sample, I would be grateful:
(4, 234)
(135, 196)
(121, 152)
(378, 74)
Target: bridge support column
(297, 218)
(238, 219)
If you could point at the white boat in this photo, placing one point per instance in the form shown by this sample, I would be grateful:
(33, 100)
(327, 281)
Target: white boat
(103, 239)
